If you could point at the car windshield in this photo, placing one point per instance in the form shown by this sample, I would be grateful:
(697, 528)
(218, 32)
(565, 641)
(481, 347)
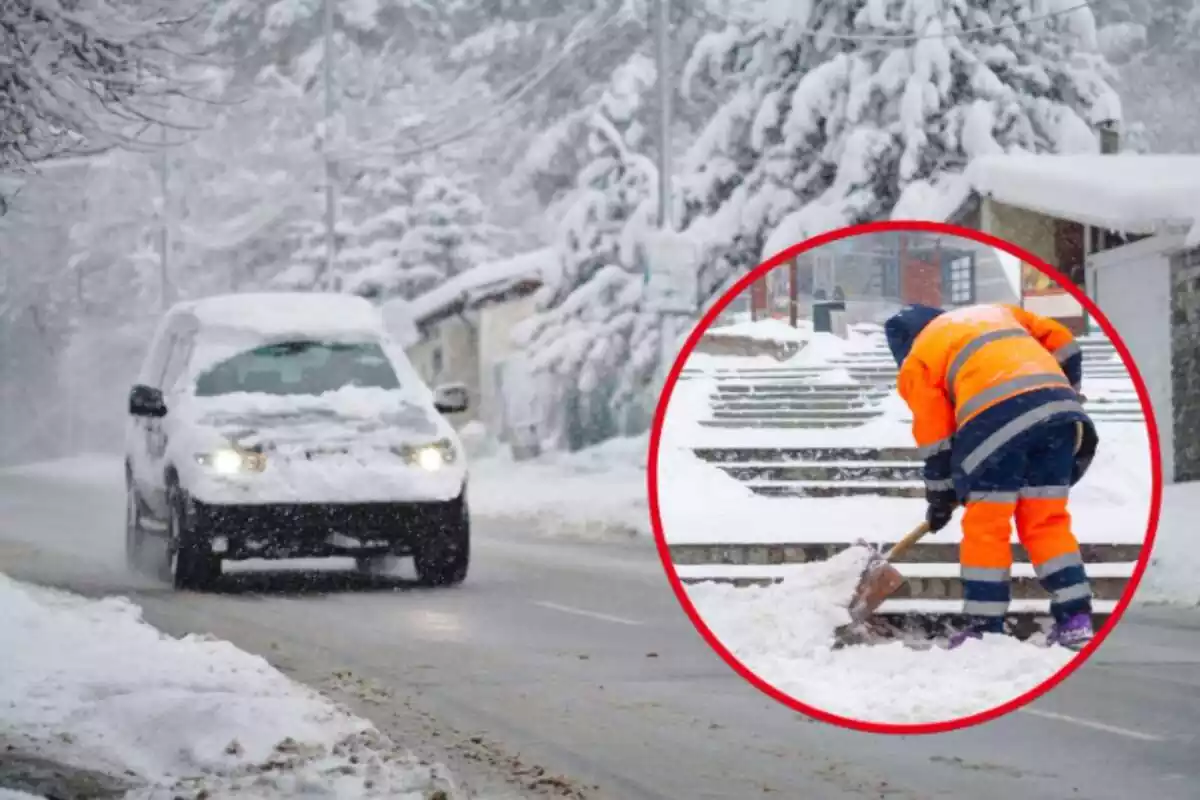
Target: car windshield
(300, 368)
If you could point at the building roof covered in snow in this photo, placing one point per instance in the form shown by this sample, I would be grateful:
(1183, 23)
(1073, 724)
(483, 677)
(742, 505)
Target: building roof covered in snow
(1127, 192)
(492, 281)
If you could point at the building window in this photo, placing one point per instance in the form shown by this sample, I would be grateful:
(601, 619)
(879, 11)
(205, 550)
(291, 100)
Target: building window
(960, 281)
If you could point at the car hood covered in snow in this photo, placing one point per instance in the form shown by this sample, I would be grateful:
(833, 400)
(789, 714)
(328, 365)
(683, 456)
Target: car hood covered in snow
(349, 419)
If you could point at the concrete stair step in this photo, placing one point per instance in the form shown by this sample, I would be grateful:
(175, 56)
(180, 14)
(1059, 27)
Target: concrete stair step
(790, 404)
(880, 472)
(930, 588)
(826, 489)
(800, 414)
(733, 455)
(808, 424)
(730, 387)
(802, 552)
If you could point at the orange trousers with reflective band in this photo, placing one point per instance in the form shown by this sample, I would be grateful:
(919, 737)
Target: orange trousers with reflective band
(1028, 485)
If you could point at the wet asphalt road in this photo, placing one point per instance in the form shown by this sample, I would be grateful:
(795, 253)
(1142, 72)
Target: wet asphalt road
(575, 656)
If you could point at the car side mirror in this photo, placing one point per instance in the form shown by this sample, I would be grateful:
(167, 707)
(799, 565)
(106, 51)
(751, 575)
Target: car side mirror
(451, 398)
(146, 401)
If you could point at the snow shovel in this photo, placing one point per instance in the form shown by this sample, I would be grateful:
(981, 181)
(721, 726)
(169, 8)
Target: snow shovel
(880, 579)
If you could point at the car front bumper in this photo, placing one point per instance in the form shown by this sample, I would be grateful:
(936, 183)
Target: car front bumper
(319, 530)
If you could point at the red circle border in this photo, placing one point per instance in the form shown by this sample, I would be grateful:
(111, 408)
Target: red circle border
(908, 729)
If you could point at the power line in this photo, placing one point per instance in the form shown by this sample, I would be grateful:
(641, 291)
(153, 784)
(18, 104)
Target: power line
(948, 34)
(539, 74)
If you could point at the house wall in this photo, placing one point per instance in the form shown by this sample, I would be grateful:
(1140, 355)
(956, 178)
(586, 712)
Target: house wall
(1058, 243)
(496, 323)
(454, 339)
(1134, 287)
(1185, 358)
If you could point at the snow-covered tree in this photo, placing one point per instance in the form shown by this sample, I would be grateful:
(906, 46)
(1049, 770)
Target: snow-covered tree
(849, 111)
(78, 74)
(591, 341)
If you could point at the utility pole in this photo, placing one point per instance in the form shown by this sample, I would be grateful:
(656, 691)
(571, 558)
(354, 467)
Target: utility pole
(667, 316)
(164, 238)
(662, 54)
(330, 166)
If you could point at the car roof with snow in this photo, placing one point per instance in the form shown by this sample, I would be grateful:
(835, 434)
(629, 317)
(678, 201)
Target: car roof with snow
(275, 314)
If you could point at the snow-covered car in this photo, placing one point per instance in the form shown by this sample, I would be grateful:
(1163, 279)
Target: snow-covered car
(290, 425)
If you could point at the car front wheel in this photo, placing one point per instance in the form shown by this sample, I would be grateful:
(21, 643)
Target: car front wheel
(444, 552)
(190, 564)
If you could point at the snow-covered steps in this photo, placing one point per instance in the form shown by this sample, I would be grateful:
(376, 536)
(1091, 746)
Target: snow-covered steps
(797, 388)
(862, 471)
(787, 402)
(836, 488)
(810, 424)
(861, 414)
(726, 455)
(821, 471)
(835, 541)
(924, 581)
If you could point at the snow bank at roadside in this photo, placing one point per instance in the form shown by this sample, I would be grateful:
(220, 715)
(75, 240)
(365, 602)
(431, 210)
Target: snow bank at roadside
(1173, 576)
(92, 684)
(598, 491)
(784, 635)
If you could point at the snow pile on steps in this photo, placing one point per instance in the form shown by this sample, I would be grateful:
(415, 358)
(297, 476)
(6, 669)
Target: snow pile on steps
(88, 682)
(784, 635)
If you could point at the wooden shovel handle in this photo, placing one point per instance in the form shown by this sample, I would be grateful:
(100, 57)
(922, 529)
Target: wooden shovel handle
(914, 536)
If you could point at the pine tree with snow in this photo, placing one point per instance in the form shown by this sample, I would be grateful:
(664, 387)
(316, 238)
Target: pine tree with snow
(590, 340)
(448, 234)
(839, 113)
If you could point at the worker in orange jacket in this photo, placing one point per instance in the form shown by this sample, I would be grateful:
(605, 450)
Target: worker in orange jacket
(998, 418)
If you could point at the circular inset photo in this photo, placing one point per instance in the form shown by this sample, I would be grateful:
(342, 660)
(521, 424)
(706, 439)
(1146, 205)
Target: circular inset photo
(904, 477)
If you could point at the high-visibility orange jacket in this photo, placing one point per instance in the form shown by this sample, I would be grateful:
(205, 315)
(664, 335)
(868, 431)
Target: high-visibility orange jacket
(980, 378)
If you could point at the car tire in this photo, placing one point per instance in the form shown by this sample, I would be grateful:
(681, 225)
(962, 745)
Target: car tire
(189, 563)
(135, 533)
(443, 555)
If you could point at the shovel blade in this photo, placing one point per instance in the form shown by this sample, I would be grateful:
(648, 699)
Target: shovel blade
(880, 581)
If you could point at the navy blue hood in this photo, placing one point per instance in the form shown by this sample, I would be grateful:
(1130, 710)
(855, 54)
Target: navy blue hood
(903, 328)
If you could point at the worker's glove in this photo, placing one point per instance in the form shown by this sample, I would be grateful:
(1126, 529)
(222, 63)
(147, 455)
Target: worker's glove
(940, 509)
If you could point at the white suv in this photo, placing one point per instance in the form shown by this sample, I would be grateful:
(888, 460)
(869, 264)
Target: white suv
(290, 425)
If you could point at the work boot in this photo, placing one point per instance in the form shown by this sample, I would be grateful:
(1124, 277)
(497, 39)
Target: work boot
(1073, 633)
(975, 631)
(959, 639)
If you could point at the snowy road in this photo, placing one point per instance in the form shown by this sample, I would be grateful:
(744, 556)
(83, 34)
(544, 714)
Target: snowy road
(577, 658)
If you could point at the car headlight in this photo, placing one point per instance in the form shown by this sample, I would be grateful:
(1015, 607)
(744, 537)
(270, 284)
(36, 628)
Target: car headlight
(232, 460)
(429, 457)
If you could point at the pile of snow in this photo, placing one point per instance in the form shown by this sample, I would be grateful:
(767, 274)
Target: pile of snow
(784, 635)
(1174, 572)
(597, 491)
(88, 683)
(821, 348)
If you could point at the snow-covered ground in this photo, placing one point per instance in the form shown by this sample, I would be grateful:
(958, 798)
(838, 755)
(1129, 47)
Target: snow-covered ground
(88, 683)
(599, 491)
(784, 634)
(1174, 573)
